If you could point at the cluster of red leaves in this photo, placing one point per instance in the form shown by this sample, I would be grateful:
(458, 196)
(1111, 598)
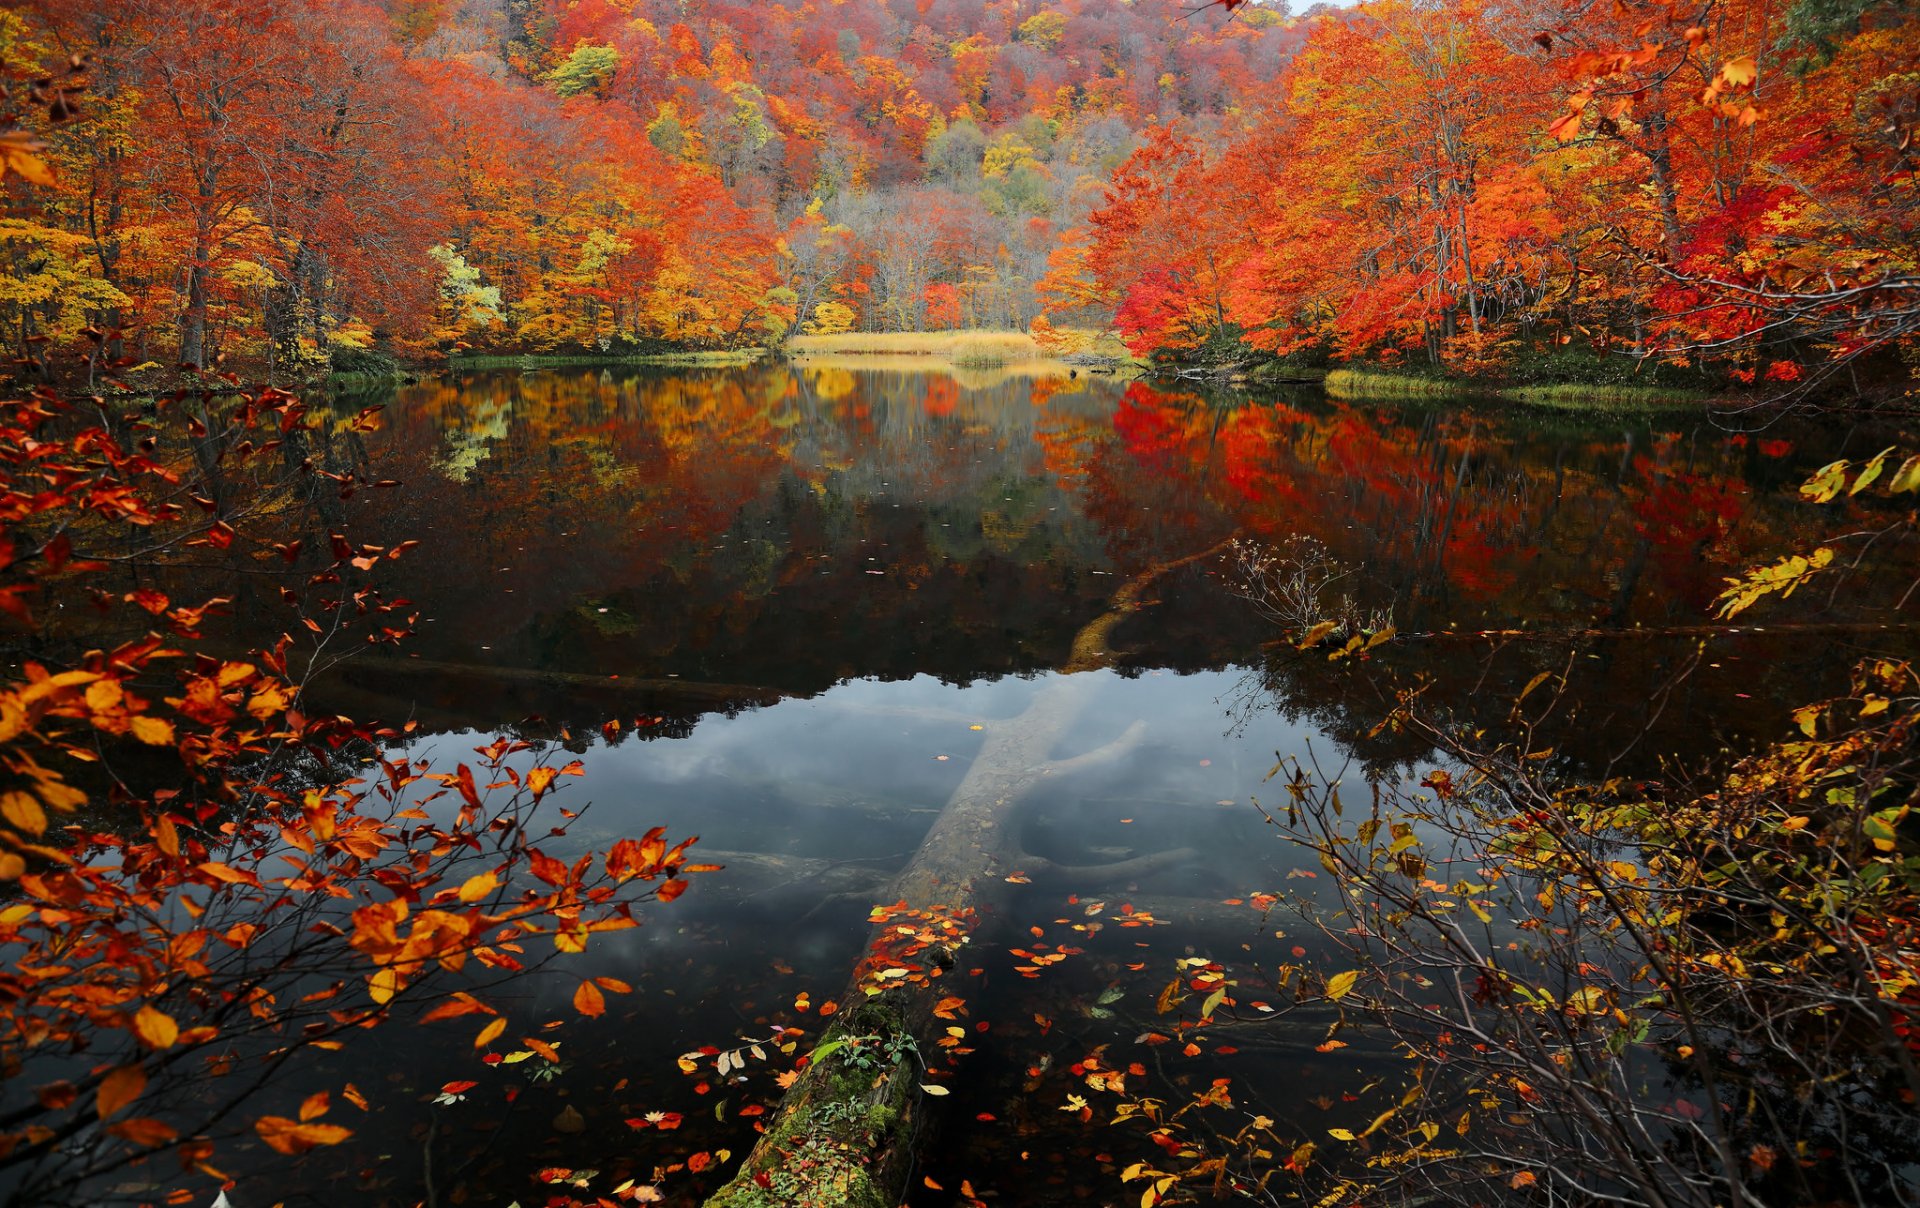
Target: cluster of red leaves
(255, 894)
(903, 936)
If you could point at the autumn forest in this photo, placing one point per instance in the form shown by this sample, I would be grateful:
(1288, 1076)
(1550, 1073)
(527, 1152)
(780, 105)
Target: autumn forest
(959, 603)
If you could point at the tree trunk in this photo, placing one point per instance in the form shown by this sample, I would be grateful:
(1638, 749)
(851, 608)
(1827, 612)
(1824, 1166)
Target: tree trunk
(845, 1134)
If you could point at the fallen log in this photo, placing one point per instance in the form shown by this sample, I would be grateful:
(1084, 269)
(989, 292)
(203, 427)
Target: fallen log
(845, 1130)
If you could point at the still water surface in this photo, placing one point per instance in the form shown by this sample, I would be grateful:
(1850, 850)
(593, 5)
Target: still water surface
(808, 593)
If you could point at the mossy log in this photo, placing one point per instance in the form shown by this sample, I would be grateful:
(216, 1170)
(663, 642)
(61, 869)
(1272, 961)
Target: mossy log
(954, 883)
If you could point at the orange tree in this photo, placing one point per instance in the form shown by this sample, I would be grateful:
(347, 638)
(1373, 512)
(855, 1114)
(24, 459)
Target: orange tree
(200, 880)
(1621, 991)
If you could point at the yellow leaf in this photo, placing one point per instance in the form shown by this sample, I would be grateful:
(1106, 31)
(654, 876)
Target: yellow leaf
(152, 731)
(1341, 1134)
(1340, 984)
(19, 154)
(1872, 472)
(155, 1028)
(478, 887)
(1907, 477)
(1739, 72)
(382, 986)
(22, 811)
(1826, 482)
(539, 779)
(936, 1091)
(1317, 634)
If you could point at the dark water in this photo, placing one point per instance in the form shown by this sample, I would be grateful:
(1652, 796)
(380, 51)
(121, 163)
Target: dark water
(808, 594)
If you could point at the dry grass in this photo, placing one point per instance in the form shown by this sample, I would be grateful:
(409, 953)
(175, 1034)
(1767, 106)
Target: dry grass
(960, 347)
(1362, 384)
(1578, 397)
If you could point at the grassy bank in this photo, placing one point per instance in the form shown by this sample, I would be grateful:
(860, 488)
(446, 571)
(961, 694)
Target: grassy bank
(1366, 383)
(1572, 396)
(721, 357)
(960, 347)
(1577, 396)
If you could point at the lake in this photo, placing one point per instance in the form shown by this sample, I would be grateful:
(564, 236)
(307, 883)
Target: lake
(785, 607)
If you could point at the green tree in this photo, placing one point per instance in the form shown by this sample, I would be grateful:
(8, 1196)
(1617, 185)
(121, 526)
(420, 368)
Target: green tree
(589, 68)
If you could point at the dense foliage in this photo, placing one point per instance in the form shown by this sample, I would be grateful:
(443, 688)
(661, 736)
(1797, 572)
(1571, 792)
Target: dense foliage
(1521, 189)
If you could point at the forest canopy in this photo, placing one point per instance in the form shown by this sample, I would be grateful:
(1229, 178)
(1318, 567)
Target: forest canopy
(1715, 194)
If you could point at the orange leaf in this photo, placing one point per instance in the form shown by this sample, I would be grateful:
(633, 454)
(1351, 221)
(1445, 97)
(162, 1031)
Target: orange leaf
(234, 876)
(543, 1048)
(144, 1131)
(588, 1000)
(490, 1033)
(166, 835)
(119, 1088)
(293, 1137)
(453, 1008)
(315, 1105)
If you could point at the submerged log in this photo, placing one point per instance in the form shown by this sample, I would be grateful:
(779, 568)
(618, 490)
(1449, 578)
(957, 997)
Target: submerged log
(845, 1131)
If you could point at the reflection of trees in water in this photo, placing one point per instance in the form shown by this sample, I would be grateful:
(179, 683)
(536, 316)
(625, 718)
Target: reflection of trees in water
(786, 527)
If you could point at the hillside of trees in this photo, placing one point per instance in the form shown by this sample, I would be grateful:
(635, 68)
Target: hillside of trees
(288, 182)
(1723, 191)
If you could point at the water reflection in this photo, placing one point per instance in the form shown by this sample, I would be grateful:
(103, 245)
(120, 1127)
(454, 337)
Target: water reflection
(721, 539)
(797, 590)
